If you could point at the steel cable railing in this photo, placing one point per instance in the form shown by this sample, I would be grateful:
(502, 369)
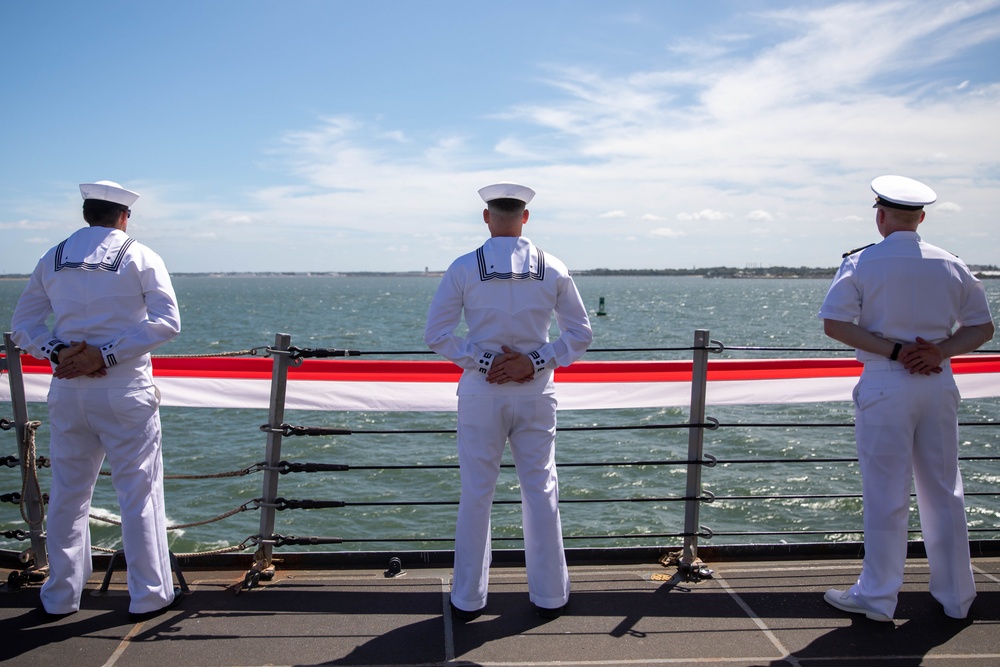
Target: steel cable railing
(713, 347)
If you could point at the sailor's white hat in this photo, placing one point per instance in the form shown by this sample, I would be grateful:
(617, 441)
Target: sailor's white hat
(108, 191)
(902, 193)
(506, 191)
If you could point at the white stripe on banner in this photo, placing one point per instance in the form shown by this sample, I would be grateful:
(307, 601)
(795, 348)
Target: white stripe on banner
(208, 392)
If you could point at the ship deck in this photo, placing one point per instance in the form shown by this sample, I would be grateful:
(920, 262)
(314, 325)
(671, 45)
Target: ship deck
(749, 612)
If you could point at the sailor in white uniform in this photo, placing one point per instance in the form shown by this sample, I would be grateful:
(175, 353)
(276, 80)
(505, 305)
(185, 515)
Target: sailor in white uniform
(898, 303)
(507, 291)
(112, 302)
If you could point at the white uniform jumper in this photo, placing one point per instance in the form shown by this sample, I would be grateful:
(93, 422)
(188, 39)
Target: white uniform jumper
(106, 289)
(906, 425)
(508, 291)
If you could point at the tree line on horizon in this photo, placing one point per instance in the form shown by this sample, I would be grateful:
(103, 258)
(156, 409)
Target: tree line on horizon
(981, 271)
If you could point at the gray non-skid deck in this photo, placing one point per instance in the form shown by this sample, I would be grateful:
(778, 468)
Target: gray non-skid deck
(748, 613)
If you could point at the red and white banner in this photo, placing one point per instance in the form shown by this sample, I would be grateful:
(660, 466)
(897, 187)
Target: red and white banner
(354, 384)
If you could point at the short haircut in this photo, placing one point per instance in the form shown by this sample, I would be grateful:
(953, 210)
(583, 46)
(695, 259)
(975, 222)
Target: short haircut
(907, 217)
(100, 213)
(508, 206)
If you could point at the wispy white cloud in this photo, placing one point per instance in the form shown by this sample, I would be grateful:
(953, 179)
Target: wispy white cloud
(396, 135)
(704, 214)
(666, 232)
(15, 224)
(838, 96)
(31, 225)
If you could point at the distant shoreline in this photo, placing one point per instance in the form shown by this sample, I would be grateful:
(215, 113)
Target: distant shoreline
(982, 272)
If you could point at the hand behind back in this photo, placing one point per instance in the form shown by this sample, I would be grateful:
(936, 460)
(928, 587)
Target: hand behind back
(921, 357)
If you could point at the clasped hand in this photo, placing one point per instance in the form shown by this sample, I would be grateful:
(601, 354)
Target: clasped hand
(921, 357)
(79, 359)
(511, 366)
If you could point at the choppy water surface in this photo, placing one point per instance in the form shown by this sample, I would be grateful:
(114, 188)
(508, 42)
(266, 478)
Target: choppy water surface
(387, 314)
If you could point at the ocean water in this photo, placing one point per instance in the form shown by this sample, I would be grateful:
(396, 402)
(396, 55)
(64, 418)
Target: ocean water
(386, 314)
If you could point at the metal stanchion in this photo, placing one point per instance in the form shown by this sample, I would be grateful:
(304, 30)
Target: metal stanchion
(32, 499)
(696, 437)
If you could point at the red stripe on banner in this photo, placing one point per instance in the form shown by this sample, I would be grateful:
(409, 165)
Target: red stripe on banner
(976, 364)
(356, 370)
(718, 370)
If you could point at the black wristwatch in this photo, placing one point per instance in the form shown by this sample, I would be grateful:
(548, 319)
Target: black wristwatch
(895, 352)
(55, 352)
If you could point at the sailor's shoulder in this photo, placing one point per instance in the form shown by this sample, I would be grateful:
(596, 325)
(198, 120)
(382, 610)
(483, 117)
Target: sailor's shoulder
(856, 250)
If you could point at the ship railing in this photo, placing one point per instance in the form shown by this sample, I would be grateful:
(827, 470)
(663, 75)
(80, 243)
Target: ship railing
(696, 493)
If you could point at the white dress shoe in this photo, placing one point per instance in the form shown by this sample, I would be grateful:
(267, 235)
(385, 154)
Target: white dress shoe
(844, 601)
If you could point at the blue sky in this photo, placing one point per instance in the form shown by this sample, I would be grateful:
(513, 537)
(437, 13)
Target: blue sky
(353, 136)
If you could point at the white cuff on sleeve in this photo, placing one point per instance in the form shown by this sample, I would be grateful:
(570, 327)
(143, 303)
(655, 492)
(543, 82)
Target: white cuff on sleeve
(484, 362)
(539, 361)
(108, 352)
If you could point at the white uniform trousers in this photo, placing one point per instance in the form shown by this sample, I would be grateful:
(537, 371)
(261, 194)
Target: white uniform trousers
(907, 428)
(124, 425)
(485, 424)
